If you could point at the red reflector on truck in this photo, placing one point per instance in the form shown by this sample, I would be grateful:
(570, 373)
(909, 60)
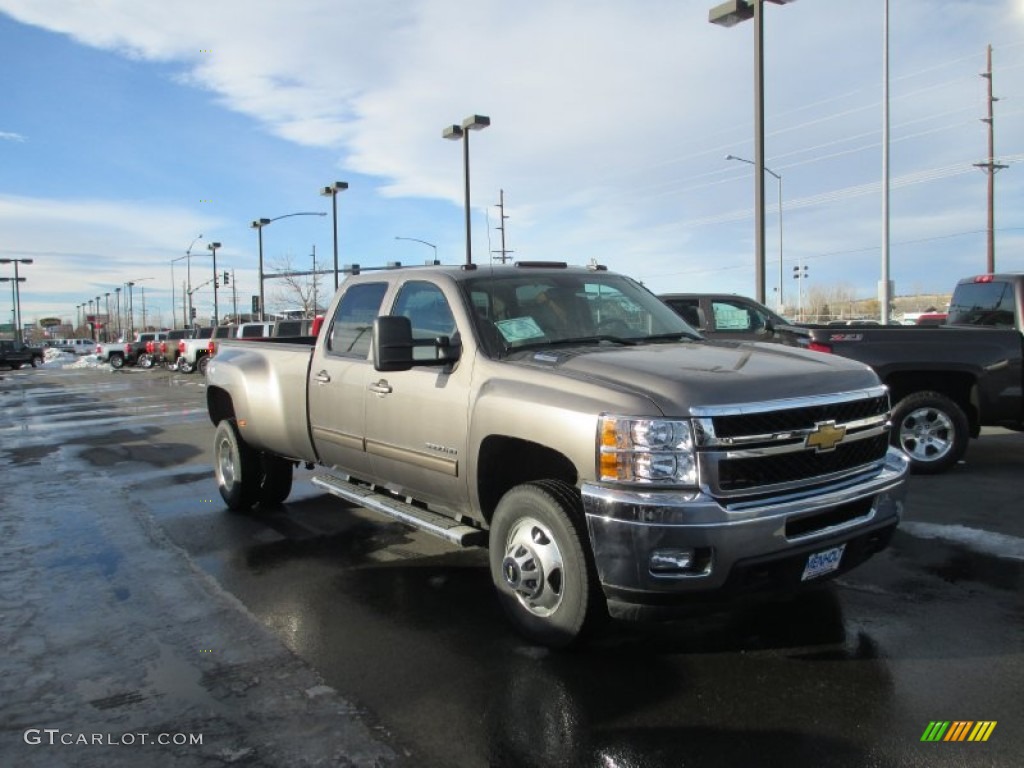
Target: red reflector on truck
(819, 347)
(983, 279)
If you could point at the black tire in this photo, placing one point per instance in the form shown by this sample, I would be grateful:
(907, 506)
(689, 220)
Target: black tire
(537, 532)
(184, 366)
(202, 363)
(36, 362)
(931, 430)
(237, 468)
(145, 361)
(116, 361)
(277, 480)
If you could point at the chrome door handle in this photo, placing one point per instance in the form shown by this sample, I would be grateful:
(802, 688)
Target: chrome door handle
(381, 387)
(323, 377)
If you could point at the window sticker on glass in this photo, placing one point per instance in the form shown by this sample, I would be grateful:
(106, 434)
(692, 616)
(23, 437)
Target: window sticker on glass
(519, 329)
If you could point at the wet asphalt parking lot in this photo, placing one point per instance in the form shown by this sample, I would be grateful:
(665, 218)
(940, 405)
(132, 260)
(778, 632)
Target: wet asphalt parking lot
(321, 634)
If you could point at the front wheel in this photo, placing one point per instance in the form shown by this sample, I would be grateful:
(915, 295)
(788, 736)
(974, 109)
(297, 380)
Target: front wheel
(203, 362)
(145, 361)
(184, 366)
(931, 430)
(36, 362)
(116, 361)
(540, 568)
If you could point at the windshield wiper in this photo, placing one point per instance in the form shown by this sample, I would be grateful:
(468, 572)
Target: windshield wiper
(676, 336)
(577, 341)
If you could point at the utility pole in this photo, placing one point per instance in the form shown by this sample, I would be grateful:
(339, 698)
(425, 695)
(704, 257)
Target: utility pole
(234, 297)
(504, 252)
(991, 167)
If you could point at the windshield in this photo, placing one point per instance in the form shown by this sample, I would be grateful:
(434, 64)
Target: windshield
(516, 311)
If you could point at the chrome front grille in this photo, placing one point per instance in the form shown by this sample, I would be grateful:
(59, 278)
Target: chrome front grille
(777, 446)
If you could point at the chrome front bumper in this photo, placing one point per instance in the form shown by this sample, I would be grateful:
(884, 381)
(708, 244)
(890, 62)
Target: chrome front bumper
(652, 546)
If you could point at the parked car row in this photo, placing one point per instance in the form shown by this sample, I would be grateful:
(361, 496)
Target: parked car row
(188, 350)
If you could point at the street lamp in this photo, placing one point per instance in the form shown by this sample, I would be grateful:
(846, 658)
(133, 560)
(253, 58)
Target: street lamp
(258, 225)
(129, 306)
(729, 14)
(173, 312)
(17, 293)
(14, 300)
(332, 192)
(779, 178)
(216, 312)
(456, 132)
(417, 240)
(188, 278)
(117, 311)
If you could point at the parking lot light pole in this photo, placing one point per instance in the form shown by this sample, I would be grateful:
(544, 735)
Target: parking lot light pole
(779, 179)
(456, 132)
(332, 192)
(117, 309)
(258, 225)
(17, 294)
(417, 240)
(216, 310)
(729, 14)
(188, 278)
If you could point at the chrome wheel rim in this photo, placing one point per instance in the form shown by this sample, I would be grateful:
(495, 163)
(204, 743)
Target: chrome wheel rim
(926, 434)
(226, 463)
(533, 567)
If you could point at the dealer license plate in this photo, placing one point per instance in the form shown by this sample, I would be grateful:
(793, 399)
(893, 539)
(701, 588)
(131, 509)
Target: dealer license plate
(821, 563)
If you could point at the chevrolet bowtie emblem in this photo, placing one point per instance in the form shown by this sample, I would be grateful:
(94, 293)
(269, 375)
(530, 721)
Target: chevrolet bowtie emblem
(825, 436)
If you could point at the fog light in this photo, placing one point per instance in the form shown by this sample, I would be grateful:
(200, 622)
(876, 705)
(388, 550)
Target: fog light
(671, 560)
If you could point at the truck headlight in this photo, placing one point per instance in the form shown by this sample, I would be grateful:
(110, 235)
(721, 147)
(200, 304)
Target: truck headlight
(648, 451)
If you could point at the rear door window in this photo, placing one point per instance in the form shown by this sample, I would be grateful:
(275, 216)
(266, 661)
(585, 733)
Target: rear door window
(352, 323)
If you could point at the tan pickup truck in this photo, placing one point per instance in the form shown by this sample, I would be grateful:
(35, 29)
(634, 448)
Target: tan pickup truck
(568, 420)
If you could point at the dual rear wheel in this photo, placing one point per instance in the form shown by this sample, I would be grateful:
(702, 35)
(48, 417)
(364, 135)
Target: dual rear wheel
(247, 477)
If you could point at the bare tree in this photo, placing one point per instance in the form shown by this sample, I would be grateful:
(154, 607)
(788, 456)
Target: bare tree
(296, 287)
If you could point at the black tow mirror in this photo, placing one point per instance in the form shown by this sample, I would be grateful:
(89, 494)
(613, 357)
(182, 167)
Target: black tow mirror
(392, 343)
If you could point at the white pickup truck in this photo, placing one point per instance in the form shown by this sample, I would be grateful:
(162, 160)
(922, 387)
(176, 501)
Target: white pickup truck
(120, 354)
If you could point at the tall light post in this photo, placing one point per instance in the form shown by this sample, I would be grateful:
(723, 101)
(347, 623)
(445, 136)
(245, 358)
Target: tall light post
(106, 323)
(117, 311)
(129, 310)
(258, 225)
(174, 314)
(729, 14)
(14, 303)
(188, 277)
(417, 240)
(17, 293)
(456, 132)
(779, 179)
(332, 192)
(216, 310)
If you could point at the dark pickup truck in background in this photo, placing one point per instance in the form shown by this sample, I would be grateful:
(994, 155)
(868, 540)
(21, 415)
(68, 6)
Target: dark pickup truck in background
(15, 354)
(729, 317)
(945, 382)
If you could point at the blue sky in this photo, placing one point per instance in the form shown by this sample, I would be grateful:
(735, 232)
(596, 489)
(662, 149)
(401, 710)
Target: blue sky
(129, 127)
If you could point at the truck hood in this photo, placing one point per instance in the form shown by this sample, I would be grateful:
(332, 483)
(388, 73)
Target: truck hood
(680, 375)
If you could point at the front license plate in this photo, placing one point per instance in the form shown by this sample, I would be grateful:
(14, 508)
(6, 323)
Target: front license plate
(821, 563)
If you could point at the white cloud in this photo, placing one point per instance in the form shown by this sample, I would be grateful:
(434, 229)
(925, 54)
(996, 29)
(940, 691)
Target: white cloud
(610, 120)
(8, 136)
